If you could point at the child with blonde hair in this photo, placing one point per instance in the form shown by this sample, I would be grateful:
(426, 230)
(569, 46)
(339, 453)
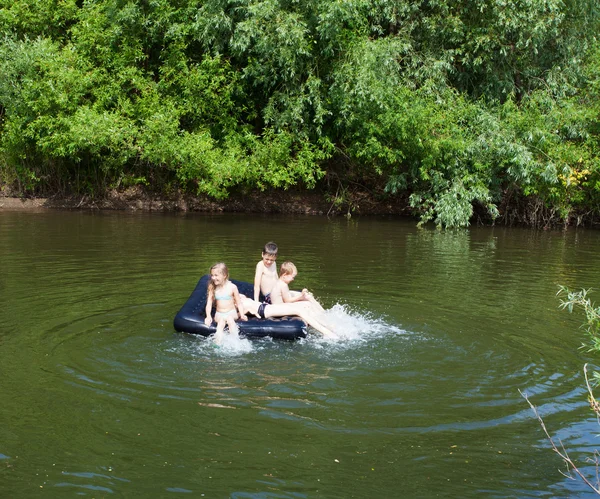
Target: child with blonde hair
(281, 291)
(224, 294)
(285, 302)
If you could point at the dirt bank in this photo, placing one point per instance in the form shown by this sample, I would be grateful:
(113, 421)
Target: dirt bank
(291, 202)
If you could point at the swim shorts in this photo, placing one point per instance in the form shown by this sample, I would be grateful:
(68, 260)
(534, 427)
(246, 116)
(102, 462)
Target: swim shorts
(261, 310)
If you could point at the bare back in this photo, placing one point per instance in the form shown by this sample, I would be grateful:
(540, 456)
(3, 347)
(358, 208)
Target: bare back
(279, 290)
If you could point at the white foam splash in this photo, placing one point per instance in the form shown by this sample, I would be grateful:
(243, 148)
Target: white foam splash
(354, 325)
(232, 345)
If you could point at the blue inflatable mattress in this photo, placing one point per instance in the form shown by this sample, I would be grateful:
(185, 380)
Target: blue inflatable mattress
(190, 318)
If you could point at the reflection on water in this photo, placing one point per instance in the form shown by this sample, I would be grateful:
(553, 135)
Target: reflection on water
(420, 395)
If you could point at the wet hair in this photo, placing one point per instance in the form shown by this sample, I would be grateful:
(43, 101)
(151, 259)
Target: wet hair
(287, 268)
(270, 249)
(221, 267)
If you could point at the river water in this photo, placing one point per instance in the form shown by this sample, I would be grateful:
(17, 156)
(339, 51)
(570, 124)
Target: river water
(100, 397)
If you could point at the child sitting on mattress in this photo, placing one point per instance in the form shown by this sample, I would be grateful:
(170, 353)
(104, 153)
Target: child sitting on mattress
(226, 297)
(285, 302)
(281, 291)
(265, 276)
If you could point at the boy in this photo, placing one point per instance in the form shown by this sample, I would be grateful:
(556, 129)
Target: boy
(280, 293)
(266, 272)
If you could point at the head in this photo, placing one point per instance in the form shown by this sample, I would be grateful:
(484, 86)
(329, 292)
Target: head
(218, 275)
(288, 272)
(269, 254)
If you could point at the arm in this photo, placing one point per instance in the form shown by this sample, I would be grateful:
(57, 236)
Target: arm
(238, 302)
(257, 279)
(209, 304)
(288, 297)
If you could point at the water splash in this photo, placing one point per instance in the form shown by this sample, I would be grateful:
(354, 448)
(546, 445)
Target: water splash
(352, 324)
(231, 345)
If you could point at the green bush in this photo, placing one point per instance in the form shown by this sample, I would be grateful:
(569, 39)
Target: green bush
(461, 109)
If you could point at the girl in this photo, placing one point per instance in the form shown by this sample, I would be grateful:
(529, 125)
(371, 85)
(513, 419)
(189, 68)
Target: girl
(226, 296)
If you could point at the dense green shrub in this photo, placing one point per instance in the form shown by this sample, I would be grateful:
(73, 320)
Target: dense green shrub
(459, 108)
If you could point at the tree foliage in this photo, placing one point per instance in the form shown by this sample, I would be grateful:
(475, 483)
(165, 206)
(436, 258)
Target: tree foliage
(461, 108)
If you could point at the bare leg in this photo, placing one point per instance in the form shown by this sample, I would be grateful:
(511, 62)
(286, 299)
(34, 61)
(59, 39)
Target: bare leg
(220, 331)
(233, 327)
(315, 303)
(313, 322)
(301, 309)
(311, 299)
(250, 306)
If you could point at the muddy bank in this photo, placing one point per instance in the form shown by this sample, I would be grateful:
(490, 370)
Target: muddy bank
(528, 214)
(290, 202)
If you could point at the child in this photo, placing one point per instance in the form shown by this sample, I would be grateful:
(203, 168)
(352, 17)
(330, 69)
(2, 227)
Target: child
(227, 297)
(281, 291)
(265, 276)
(301, 309)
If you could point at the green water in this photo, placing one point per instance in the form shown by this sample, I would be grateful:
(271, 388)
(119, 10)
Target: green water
(99, 397)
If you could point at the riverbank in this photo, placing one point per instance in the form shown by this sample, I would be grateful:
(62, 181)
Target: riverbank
(527, 213)
(290, 202)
